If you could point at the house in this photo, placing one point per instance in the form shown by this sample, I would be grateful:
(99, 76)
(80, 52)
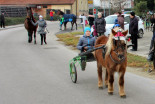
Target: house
(42, 7)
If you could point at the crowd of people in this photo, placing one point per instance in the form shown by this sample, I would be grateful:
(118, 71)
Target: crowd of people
(88, 40)
(99, 25)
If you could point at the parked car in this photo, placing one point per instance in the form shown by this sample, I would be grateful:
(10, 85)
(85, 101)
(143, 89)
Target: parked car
(110, 23)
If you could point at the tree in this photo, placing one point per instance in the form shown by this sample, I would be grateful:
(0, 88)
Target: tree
(118, 4)
(141, 7)
(150, 5)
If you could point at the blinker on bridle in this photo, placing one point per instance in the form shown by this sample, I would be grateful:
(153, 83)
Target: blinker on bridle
(119, 36)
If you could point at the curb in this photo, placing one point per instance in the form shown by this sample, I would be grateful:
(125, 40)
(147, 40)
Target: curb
(13, 26)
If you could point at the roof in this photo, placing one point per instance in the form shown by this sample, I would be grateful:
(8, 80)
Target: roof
(27, 2)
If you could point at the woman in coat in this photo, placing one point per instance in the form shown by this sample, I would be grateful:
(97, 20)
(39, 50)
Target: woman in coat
(91, 20)
(41, 30)
(120, 18)
(100, 24)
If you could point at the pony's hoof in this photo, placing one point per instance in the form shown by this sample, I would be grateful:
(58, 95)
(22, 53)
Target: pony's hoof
(106, 86)
(123, 96)
(29, 41)
(35, 42)
(110, 93)
(100, 88)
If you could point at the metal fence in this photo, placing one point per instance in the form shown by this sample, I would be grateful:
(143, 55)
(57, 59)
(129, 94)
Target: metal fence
(13, 11)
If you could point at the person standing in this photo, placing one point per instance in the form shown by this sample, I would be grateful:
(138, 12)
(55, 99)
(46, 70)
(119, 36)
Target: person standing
(2, 20)
(41, 30)
(83, 22)
(91, 19)
(133, 30)
(120, 18)
(100, 24)
(51, 15)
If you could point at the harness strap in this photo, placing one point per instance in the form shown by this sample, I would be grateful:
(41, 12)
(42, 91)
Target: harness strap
(117, 62)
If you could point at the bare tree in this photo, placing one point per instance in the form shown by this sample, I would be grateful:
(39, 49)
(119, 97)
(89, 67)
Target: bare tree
(118, 4)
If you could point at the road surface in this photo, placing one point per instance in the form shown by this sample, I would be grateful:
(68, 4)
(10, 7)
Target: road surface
(39, 74)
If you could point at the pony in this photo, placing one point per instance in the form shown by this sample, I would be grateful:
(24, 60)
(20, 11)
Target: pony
(68, 18)
(113, 57)
(29, 26)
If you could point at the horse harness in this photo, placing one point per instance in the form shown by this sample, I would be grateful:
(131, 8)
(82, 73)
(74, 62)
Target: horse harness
(119, 36)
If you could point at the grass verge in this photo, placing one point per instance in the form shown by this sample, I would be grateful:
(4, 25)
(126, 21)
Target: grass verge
(71, 39)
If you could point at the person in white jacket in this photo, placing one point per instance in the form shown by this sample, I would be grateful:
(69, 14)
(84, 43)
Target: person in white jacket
(83, 20)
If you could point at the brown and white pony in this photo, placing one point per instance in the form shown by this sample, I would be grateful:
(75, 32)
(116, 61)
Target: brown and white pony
(29, 26)
(114, 59)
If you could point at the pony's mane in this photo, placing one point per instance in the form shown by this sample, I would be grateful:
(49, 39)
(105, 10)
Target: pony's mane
(28, 8)
(110, 40)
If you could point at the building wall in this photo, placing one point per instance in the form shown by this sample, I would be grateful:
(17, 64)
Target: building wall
(82, 7)
(61, 7)
(42, 11)
(73, 10)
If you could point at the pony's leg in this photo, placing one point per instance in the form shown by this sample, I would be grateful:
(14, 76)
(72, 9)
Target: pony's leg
(110, 83)
(106, 79)
(31, 33)
(65, 25)
(35, 37)
(29, 37)
(72, 25)
(100, 80)
(121, 84)
(76, 25)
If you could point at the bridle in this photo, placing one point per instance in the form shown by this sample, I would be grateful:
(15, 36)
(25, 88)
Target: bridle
(119, 36)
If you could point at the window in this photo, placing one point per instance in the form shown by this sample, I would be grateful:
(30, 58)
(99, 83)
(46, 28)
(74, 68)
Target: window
(127, 19)
(110, 19)
(44, 6)
(67, 11)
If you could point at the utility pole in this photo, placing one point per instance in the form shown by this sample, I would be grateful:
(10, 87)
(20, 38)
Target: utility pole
(104, 8)
(109, 7)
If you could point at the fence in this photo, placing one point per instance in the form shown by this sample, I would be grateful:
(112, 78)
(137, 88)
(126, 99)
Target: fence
(13, 11)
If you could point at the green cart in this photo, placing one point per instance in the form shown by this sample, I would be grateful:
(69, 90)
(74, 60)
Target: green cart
(76, 61)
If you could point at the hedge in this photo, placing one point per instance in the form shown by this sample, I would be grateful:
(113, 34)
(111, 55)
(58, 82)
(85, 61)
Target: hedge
(14, 20)
(20, 20)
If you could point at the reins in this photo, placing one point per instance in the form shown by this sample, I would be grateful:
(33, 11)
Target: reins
(115, 61)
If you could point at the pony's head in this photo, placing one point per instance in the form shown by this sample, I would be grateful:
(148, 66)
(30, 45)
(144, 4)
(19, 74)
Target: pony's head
(29, 11)
(59, 12)
(117, 42)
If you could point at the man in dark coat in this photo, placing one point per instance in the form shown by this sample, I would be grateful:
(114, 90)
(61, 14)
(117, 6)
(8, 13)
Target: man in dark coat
(133, 30)
(91, 20)
(2, 20)
(120, 18)
(100, 24)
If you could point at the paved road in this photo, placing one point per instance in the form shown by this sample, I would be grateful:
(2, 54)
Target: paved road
(35, 74)
(143, 44)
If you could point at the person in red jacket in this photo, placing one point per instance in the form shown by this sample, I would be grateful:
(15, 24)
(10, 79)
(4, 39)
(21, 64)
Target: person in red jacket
(51, 15)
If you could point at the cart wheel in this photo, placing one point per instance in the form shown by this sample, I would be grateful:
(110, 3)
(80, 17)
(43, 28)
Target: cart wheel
(73, 72)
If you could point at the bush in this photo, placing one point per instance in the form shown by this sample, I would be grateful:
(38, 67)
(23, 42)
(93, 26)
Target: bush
(14, 20)
(20, 20)
(55, 17)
